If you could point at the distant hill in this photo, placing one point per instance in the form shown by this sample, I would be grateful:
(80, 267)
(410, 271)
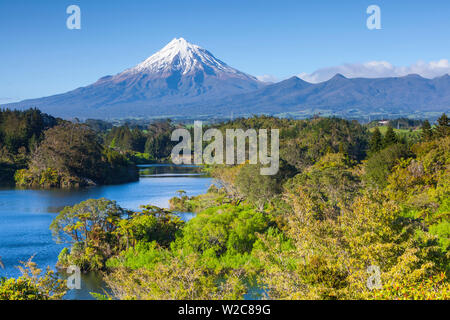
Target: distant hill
(185, 80)
(407, 95)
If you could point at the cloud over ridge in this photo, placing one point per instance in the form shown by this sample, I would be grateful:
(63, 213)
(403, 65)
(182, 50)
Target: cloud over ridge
(379, 69)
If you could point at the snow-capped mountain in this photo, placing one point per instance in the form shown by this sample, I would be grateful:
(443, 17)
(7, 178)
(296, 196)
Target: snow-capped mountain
(184, 64)
(177, 76)
(185, 80)
(187, 58)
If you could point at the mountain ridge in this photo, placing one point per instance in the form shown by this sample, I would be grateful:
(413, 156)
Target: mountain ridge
(405, 95)
(185, 80)
(179, 73)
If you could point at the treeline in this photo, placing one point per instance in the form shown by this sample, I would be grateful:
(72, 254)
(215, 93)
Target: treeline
(41, 151)
(152, 142)
(138, 142)
(37, 150)
(400, 123)
(72, 155)
(20, 134)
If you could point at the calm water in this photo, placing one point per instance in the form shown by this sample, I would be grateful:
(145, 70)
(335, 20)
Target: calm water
(25, 215)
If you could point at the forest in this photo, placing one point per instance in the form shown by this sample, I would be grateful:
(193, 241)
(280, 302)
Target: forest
(349, 198)
(38, 150)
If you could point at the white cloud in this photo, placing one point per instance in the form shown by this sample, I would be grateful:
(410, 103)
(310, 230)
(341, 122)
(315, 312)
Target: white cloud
(378, 69)
(5, 100)
(267, 78)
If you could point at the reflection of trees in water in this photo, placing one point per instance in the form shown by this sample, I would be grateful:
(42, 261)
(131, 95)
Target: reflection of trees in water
(168, 169)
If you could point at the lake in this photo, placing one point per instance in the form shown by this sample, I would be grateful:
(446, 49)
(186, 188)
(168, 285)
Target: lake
(25, 215)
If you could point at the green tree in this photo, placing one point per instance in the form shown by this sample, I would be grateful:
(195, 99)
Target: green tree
(443, 126)
(72, 155)
(222, 231)
(150, 224)
(72, 150)
(90, 227)
(427, 132)
(184, 277)
(376, 141)
(34, 284)
(379, 166)
(23, 128)
(256, 188)
(390, 137)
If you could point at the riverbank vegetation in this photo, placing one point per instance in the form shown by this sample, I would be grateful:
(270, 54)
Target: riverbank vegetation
(151, 143)
(34, 284)
(20, 134)
(71, 155)
(37, 150)
(40, 151)
(346, 201)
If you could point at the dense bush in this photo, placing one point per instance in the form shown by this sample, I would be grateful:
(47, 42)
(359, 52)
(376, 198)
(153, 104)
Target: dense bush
(99, 229)
(34, 284)
(72, 155)
(223, 229)
(380, 164)
(20, 134)
(154, 141)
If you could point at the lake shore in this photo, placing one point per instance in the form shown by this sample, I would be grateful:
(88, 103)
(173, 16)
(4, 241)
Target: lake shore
(25, 215)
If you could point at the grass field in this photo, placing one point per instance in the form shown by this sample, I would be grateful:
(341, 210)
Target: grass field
(408, 134)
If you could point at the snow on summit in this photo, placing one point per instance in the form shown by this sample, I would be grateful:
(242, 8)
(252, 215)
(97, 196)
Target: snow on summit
(179, 75)
(187, 58)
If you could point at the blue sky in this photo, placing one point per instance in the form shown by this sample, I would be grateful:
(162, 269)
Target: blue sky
(40, 56)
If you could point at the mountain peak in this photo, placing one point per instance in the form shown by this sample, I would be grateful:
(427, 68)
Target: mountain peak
(339, 76)
(184, 57)
(180, 73)
(443, 77)
(414, 76)
(179, 41)
(296, 79)
(179, 45)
